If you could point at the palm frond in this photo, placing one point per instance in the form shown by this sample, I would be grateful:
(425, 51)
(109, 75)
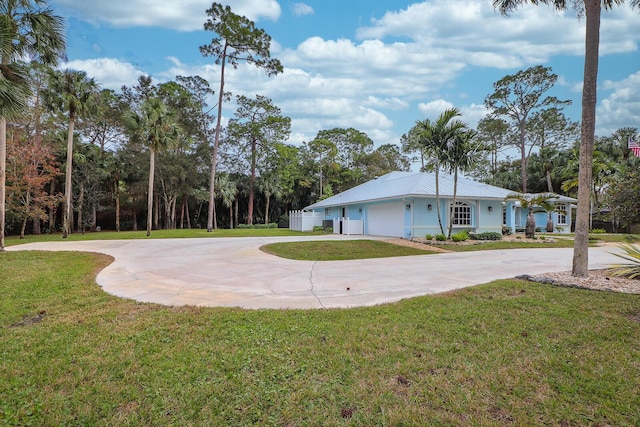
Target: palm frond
(631, 269)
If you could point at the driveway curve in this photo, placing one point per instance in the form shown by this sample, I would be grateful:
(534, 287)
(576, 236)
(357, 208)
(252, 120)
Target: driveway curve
(233, 272)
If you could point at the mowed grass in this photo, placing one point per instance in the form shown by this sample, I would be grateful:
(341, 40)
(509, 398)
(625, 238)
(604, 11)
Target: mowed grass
(339, 250)
(505, 353)
(158, 234)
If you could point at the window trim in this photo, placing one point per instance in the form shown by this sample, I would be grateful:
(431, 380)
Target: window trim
(456, 215)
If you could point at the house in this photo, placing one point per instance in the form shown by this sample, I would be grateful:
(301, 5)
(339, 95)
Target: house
(403, 204)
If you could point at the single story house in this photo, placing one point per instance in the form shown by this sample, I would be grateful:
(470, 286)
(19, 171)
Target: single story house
(403, 204)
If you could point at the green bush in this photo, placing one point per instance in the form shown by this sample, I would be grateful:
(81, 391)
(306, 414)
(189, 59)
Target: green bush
(270, 225)
(460, 236)
(487, 235)
(428, 236)
(441, 237)
(598, 231)
(631, 238)
(319, 228)
(506, 231)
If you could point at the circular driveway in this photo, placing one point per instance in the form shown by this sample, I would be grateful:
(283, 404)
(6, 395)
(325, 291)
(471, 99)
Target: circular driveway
(233, 272)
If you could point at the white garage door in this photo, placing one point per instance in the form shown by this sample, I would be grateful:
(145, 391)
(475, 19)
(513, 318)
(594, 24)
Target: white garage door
(386, 220)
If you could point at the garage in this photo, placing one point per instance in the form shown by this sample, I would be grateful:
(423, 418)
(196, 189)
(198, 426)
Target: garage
(386, 219)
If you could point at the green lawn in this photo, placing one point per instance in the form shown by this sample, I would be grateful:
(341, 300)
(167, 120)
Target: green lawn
(506, 353)
(339, 250)
(158, 234)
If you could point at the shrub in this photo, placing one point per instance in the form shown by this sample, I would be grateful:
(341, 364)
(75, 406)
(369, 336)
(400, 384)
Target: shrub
(460, 236)
(631, 269)
(598, 231)
(441, 237)
(428, 236)
(487, 235)
(506, 231)
(631, 238)
(319, 228)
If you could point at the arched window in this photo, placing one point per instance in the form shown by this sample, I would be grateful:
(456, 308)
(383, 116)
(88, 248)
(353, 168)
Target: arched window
(461, 214)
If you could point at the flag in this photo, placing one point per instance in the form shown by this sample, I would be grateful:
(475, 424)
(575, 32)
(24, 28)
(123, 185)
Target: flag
(634, 147)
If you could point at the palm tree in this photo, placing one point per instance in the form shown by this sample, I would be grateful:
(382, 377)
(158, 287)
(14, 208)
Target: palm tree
(463, 152)
(549, 207)
(271, 187)
(592, 10)
(155, 127)
(28, 29)
(227, 192)
(436, 137)
(529, 201)
(74, 92)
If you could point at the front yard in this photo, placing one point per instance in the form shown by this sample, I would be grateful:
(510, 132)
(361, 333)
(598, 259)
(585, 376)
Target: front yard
(506, 353)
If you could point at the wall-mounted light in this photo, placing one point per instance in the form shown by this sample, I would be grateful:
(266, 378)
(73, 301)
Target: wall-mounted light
(408, 207)
(429, 207)
(490, 208)
(360, 210)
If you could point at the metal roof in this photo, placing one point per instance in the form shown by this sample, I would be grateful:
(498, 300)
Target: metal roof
(412, 184)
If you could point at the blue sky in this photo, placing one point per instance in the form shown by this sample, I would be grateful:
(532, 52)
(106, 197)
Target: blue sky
(377, 66)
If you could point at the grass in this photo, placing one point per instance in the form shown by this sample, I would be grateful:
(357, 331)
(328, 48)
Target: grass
(158, 234)
(509, 352)
(339, 250)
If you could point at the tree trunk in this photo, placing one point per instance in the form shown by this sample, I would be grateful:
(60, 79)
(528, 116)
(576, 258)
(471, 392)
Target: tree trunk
(523, 157)
(549, 224)
(231, 216)
(23, 227)
(182, 207)
(437, 173)
(80, 225)
(216, 142)
(156, 212)
(67, 217)
(237, 219)
(580, 267)
(266, 210)
(94, 217)
(530, 227)
(117, 189)
(455, 191)
(150, 194)
(549, 183)
(188, 215)
(135, 219)
(252, 182)
(52, 208)
(3, 174)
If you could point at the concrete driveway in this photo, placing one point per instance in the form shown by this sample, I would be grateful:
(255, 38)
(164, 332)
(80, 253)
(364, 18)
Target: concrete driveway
(233, 272)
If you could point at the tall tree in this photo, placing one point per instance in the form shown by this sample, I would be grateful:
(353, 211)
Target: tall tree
(462, 153)
(237, 41)
(155, 127)
(550, 130)
(494, 133)
(258, 126)
(592, 9)
(76, 94)
(517, 97)
(28, 29)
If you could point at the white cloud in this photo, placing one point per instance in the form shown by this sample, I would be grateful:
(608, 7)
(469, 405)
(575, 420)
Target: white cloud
(301, 9)
(183, 15)
(621, 108)
(108, 72)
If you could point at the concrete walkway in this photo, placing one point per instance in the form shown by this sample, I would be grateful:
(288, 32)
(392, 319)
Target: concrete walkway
(233, 272)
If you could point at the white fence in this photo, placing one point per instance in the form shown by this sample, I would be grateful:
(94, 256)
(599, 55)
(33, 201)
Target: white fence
(349, 226)
(304, 221)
